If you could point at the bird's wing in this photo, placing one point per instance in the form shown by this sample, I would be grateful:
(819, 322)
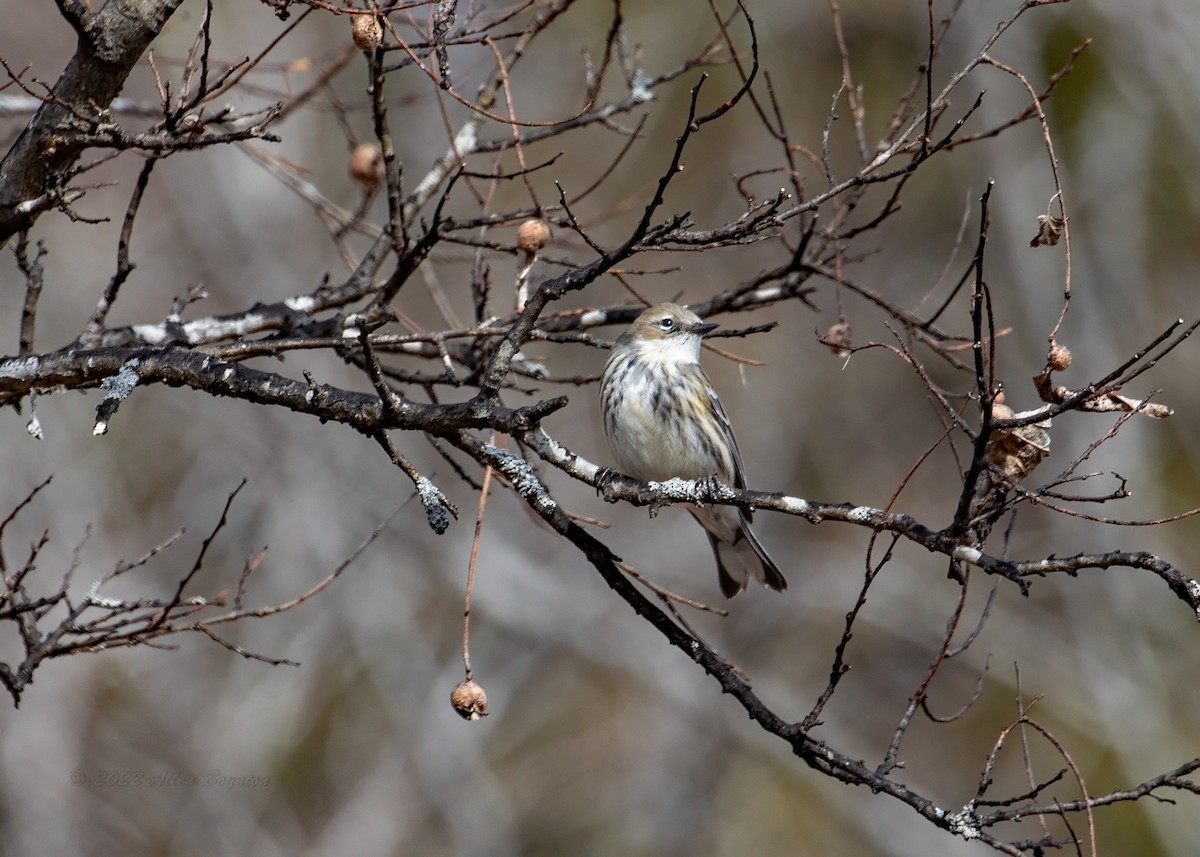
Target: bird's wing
(739, 472)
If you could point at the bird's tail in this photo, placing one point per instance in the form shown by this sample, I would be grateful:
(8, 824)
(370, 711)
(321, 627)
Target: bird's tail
(738, 552)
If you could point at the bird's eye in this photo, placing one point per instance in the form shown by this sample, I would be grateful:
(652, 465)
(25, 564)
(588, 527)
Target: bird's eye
(667, 323)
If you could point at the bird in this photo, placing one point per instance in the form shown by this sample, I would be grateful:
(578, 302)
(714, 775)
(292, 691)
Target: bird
(663, 420)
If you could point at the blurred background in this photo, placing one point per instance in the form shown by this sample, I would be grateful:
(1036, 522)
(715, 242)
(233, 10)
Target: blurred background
(602, 740)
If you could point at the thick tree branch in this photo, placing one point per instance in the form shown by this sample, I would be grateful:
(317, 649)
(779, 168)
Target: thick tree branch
(33, 174)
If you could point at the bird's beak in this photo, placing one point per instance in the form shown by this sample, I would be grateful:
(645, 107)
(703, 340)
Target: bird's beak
(704, 327)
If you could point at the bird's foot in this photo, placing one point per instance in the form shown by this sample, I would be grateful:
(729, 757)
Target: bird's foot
(607, 480)
(707, 488)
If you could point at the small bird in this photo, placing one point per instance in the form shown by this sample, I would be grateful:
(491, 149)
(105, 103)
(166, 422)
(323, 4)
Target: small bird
(663, 420)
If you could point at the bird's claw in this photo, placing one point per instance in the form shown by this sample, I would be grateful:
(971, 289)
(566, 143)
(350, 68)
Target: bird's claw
(606, 481)
(709, 487)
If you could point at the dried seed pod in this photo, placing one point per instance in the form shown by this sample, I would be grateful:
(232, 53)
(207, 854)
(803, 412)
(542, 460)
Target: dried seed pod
(532, 236)
(1059, 357)
(366, 164)
(469, 700)
(1000, 408)
(837, 339)
(366, 31)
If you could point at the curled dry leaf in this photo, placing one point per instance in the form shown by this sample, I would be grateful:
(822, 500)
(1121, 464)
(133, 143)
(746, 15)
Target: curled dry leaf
(1049, 231)
(1055, 394)
(1018, 451)
(1113, 402)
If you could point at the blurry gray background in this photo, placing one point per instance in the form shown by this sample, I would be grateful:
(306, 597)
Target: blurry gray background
(602, 740)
